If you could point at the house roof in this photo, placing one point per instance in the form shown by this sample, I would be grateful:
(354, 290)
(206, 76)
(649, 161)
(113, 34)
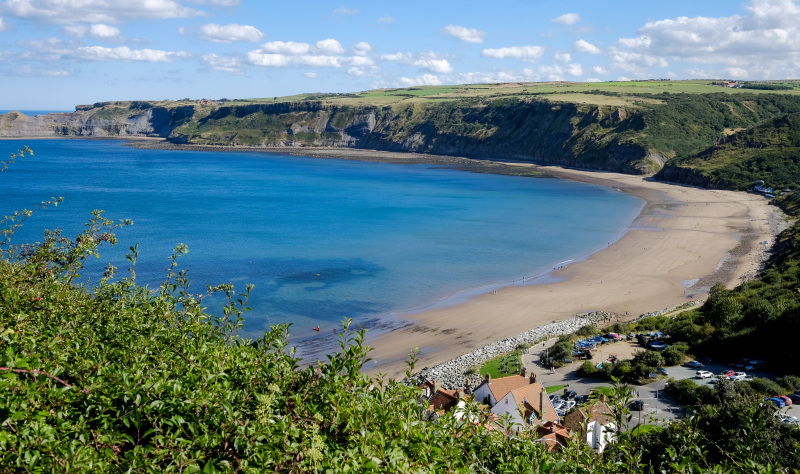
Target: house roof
(598, 410)
(553, 435)
(443, 399)
(529, 400)
(501, 386)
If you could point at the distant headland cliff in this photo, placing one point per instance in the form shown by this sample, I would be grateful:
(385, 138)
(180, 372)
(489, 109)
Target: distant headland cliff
(638, 131)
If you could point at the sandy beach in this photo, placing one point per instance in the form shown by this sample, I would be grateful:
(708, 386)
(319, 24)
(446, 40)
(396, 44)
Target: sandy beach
(684, 240)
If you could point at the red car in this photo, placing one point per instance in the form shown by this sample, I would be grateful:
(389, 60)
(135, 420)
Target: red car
(786, 399)
(727, 373)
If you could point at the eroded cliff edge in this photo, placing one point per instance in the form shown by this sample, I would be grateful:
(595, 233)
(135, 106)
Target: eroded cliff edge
(638, 139)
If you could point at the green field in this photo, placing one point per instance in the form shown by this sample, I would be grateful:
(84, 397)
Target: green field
(578, 92)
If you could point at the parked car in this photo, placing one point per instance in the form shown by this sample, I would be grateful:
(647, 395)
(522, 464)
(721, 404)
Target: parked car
(581, 399)
(755, 365)
(786, 400)
(636, 405)
(662, 371)
(703, 374)
(727, 372)
(746, 378)
(555, 398)
(742, 363)
(740, 376)
(704, 360)
(570, 395)
(795, 397)
(776, 401)
(693, 364)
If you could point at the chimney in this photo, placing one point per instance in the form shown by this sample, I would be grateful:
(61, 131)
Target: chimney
(459, 394)
(544, 402)
(523, 372)
(437, 385)
(533, 377)
(467, 388)
(488, 378)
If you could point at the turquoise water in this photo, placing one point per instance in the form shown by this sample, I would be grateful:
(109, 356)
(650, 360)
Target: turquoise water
(320, 239)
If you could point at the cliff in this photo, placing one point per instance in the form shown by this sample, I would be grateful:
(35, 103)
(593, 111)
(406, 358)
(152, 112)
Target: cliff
(639, 138)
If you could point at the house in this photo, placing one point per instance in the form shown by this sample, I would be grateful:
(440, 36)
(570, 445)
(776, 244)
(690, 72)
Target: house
(553, 435)
(521, 398)
(439, 398)
(595, 423)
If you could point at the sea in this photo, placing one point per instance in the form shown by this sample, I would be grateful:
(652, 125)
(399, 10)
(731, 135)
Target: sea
(320, 239)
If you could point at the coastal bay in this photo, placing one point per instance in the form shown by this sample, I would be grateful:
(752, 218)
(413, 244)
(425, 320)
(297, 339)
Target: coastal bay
(684, 240)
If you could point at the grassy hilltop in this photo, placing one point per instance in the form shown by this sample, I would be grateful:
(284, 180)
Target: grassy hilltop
(631, 127)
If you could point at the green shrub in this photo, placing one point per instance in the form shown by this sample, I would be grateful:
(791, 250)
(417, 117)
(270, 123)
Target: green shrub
(789, 382)
(587, 369)
(587, 330)
(764, 386)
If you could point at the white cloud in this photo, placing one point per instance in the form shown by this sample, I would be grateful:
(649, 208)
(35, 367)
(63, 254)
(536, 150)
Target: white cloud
(362, 48)
(123, 53)
(429, 60)
(260, 58)
(318, 60)
(424, 80)
(583, 46)
(524, 52)
(562, 57)
(356, 71)
(470, 35)
(575, 70)
(229, 33)
(101, 31)
(3, 25)
(736, 73)
(330, 46)
(386, 19)
(347, 11)
(763, 42)
(567, 19)
(592, 79)
(310, 75)
(224, 63)
(96, 11)
(358, 61)
(286, 47)
(599, 70)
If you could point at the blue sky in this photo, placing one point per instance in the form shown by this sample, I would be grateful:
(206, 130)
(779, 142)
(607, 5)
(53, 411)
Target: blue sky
(55, 54)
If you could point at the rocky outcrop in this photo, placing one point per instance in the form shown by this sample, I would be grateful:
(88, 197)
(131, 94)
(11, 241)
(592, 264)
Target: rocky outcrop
(135, 119)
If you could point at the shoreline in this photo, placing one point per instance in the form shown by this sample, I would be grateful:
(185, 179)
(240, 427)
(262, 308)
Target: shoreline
(683, 240)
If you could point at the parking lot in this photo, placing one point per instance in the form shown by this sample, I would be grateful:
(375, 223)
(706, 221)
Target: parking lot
(658, 407)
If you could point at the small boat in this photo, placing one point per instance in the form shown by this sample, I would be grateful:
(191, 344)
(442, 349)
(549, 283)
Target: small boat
(316, 328)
